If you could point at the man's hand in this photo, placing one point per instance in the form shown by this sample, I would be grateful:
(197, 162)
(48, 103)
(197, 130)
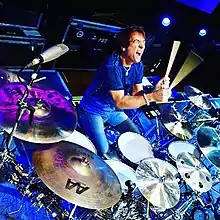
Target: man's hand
(164, 83)
(161, 95)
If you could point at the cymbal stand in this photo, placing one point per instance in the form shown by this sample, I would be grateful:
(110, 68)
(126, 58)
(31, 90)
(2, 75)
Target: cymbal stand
(72, 213)
(180, 212)
(22, 105)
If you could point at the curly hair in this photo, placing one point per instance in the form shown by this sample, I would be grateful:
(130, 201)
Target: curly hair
(123, 37)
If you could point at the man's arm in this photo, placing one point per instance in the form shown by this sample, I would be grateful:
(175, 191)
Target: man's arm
(128, 102)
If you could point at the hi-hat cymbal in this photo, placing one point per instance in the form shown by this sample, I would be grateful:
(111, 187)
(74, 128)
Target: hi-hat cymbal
(54, 118)
(209, 142)
(194, 172)
(78, 175)
(157, 182)
(197, 97)
(174, 121)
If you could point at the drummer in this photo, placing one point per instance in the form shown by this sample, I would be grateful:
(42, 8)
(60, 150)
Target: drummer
(117, 85)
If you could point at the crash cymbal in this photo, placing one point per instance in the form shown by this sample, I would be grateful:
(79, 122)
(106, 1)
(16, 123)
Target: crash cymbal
(174, 121)
(157, 182)
(209, 142)
(197, 97)
(194, 172)
(54, 117)
(77, 175)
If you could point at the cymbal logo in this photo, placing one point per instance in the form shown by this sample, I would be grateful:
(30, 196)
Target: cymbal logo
(80, 187)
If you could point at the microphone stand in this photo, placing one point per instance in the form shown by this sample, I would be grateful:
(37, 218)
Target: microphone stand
(22, 105)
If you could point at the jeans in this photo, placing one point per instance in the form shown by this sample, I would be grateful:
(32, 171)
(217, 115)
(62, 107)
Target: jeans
(93, 126)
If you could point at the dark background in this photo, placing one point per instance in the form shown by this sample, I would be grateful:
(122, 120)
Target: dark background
(79, 68)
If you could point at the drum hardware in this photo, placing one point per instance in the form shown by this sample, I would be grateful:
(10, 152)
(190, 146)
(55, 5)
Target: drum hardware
(39, 195)
(178, 213)
(156, 179)
(77, 175)
(131, 207)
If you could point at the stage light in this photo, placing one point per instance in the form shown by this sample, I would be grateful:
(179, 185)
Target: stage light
(202, 32)
(166, 21)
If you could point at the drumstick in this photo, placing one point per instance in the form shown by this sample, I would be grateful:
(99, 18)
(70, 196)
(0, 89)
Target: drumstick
(175, 48)
(191, 62)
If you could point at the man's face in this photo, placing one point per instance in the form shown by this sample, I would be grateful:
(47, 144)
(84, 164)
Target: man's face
(136, 47)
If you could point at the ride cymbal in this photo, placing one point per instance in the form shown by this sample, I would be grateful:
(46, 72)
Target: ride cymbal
(197, 97)
(209, 142)
(54, 118)
(194, 172)
(157, 181)
(78, 175)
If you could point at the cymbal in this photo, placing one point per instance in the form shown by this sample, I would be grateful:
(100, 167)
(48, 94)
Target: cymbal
(194, 172)
(209, 142)
(54, 118)
(157, 182)
(7, 77)
(77, 175)
(197, 97)
(174, 122)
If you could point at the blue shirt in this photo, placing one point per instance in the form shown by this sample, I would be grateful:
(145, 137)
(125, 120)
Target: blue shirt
(112, 75)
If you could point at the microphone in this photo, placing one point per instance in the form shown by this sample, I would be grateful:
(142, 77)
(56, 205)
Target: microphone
(49, 54)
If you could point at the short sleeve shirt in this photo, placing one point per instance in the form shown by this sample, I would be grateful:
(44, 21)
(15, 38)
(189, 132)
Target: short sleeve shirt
(112, 75)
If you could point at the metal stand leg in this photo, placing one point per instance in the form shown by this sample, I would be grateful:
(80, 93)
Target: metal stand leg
(71, 217)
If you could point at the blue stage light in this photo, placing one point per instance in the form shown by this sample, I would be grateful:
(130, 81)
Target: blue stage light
(202, 32)
(166, 21)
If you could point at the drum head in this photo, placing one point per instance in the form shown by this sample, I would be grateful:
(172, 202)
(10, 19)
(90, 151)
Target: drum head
(178, 147)
(134, 147)
(122, 171)
(80, 139)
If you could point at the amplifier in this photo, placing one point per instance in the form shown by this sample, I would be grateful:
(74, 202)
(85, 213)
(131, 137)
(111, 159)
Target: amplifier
(88, 41)
(19, 45)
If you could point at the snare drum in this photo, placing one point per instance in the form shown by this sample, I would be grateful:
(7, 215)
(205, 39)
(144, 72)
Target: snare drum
(122, 171)
(80, 139)
(178, 147)
(133, 147)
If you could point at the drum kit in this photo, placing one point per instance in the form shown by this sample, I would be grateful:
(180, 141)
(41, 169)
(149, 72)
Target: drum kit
(65, 164)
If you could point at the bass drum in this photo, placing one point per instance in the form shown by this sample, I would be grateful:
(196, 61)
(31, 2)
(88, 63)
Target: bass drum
(78, 138)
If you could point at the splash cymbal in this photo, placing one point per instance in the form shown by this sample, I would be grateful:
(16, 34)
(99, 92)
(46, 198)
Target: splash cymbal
(54, 118)
(194, 172)
(209, 142)
(197, 97)
(77, 175)
(157, 181)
